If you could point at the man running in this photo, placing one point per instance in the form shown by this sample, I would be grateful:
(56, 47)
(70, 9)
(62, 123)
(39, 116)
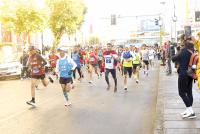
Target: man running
(145, 59)
(64, 67)
(76, 57)
(127, 63)
(92, 63)
(36, 63)
(110, 59)
(119, 53)
(136, 64)
(53, 60)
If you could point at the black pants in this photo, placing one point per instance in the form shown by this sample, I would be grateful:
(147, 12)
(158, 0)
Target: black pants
(24, 72)
(185, 90)
(169, 66)
(113, 73)
(79, 72)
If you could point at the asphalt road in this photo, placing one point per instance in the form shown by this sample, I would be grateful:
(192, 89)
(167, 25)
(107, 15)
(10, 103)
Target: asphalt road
(94, 111)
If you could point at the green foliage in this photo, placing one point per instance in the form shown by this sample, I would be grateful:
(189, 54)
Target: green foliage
(21, 16)
(66, 16)
(93, 40)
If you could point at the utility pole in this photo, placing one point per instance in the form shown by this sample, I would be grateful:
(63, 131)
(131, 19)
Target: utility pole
(174, 18)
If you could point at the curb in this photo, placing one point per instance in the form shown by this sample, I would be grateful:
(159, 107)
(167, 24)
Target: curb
(159, 116)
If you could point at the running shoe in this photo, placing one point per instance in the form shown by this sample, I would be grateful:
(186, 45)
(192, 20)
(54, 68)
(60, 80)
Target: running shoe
(137, 81)
(68, 103)
(90, 82)
(192, 116)
(50, 79)
(183, 113)
(189, 115)
(32, 103)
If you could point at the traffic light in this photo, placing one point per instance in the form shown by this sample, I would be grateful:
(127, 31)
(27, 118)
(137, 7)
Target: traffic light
(197, 16)
(156, 22)
(113, 19)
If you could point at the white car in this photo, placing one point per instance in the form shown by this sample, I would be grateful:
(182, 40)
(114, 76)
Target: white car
(10, 69)
(9, 62)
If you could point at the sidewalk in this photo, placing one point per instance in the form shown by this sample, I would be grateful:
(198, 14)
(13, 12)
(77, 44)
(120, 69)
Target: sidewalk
(170, 105)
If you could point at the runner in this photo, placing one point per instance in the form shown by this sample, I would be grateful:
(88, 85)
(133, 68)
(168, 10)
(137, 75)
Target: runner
(53, 60)
(76, 57)
(100, 60)
(136, 64)
(119, 53)
(82, 54)
(92, 63)
(65, 66)
(127, 62)
(111, 58)
(145, 59)
(36, 63)
(151, 56)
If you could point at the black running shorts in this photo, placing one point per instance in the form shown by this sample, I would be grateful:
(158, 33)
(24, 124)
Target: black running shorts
(128, 70)
(146, 62)
(65, 80)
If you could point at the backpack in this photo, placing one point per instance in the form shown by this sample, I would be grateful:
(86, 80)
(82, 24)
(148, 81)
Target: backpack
(192, 66)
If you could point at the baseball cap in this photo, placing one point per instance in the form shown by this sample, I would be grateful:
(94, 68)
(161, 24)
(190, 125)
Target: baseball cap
(62, 49)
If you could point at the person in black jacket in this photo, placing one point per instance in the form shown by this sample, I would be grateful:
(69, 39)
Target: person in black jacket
(24, 71)
(184, 81)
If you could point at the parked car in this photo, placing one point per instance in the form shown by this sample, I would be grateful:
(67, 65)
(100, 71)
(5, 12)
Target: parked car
(9, 62)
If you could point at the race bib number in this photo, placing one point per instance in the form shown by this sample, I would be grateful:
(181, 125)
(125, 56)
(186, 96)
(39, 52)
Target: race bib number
(36, 70)
(108, 60)
(63, 68)
(92, 59)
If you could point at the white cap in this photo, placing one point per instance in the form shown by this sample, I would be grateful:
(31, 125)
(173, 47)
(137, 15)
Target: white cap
(62, 49)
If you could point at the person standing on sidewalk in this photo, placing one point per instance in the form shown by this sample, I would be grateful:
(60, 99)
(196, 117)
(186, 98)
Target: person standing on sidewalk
(24, 70)
(65, 67)
(184, 81)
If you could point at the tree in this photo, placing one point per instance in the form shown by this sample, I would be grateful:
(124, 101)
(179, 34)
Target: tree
(21, 16)
(66, 16)
(94, 40)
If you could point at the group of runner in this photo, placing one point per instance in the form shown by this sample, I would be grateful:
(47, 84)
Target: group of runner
(127, 60)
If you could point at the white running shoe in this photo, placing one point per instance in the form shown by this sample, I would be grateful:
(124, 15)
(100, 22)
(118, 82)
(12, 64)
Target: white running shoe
(90, 82)
(137, 81)
(68, 103)
(187, 114)
(184, 112)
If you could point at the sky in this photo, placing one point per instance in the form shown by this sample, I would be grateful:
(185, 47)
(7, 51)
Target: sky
(99, 12)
